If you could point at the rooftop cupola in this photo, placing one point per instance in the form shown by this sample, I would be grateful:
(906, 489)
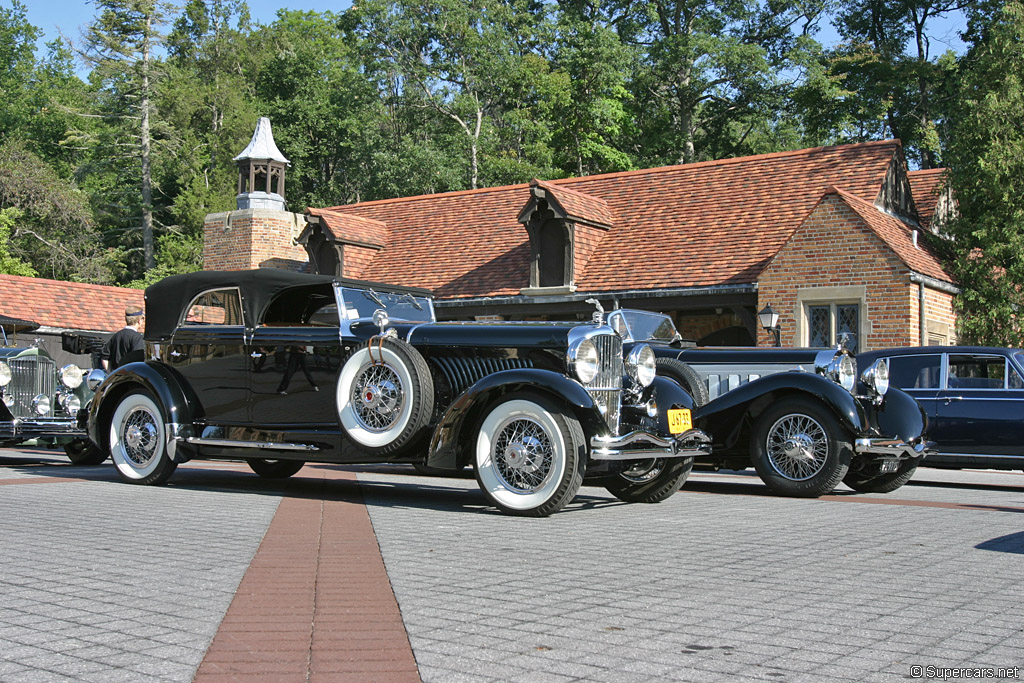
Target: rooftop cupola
(261, 169)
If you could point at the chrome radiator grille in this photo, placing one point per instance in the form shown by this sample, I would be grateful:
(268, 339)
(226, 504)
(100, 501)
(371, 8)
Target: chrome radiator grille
(606, 388)
(29, 378)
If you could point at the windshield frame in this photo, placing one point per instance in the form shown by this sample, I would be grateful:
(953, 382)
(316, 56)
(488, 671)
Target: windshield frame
(631, 322)
(359, 304)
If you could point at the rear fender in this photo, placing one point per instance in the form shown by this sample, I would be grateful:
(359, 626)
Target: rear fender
(179, 404)
(452, 433)
(726, 417)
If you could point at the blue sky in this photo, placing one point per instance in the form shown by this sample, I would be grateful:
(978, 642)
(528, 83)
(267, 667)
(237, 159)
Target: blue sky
(70, 16)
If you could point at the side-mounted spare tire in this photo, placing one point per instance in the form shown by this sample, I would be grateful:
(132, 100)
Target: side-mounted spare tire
(685, 376)
(385, 396)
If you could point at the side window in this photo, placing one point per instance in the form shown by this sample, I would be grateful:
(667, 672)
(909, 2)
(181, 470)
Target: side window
(1013, 380)
(915, 372)
(220, 307)
(977, 372)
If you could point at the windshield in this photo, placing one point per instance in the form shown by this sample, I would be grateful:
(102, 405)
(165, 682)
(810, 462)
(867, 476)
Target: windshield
(361, 303)
(643, 326)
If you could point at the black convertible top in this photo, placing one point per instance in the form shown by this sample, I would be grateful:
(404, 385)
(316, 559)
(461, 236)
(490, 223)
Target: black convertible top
(166, 299)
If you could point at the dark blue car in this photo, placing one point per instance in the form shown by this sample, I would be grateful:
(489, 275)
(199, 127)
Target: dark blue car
(974, 399)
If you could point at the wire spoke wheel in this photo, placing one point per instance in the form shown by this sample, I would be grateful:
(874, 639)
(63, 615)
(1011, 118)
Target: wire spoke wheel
(797, 447)
(378, 396)
(522, 453)
(138, 442)
(529, 455)
(644, 471)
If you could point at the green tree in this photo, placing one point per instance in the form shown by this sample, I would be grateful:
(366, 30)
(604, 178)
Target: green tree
(11, 265)
(121, 45)
(711, 72)
(589, 107)
(54, 231)
(986, 162)
(17, 64)
(886, 81)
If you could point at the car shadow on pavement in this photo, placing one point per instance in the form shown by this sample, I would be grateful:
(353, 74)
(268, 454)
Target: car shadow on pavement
(428, 492)
(1011, 543)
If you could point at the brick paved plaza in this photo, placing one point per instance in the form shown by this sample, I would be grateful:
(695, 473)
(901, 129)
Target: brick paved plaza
(363, 574)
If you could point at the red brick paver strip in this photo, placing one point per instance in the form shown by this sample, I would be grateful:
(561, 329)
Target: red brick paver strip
(316, 603)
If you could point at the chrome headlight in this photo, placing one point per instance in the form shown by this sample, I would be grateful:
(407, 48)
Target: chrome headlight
(41, 404)
(876, 377)
(70, 403)
(583, 360)
(71, 376)
(838, 366)
(5, 374)
(95, 378)
(845, 372)
(640, 365)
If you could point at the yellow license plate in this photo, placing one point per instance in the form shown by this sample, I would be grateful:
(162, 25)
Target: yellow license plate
(679, 420)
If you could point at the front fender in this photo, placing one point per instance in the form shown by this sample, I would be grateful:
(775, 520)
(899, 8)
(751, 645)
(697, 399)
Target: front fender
(469, 405)
(725, 417)
(899, 416)
(666, 393)
(178, 402)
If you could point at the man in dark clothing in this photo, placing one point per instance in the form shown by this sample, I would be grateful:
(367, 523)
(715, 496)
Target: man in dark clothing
(125, 345)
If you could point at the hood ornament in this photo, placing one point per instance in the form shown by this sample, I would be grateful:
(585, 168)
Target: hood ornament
(598, 316)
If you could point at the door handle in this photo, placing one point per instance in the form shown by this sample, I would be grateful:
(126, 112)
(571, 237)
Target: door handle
(255, 354)
(950, 399)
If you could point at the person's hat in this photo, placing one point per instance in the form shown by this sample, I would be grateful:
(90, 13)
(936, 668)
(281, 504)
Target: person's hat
(132, 310)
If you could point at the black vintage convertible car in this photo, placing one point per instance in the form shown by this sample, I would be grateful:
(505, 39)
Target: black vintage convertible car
(801, 417)
(281, 368)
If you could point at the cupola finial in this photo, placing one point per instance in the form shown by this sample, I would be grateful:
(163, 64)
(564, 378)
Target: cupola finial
(261, 168)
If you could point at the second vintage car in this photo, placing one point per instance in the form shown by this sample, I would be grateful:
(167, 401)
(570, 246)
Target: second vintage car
(802, 417)
(39, 401)
(281, 368)
(974, 399)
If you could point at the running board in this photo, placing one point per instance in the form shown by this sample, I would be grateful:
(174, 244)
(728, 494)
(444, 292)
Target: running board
(262, 445)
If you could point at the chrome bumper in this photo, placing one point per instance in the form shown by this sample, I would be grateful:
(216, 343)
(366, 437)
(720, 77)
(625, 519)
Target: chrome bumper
(30, 429)
(689, 444)
(893, 448)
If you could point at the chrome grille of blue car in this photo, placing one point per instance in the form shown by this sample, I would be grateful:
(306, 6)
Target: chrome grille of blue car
(29, 378)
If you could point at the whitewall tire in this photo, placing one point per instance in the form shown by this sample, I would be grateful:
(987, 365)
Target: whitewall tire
(529, 456)
(138, 441)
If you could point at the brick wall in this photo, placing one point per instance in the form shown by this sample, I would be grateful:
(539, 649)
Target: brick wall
(835, 256)
(252, 238)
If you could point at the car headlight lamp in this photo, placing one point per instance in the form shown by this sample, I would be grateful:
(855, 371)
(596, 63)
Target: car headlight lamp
(70, 403)
(41, 404)
(876, 377)
(5, 374)
(838, 366)
(584, 360)
(640, 365)
(71, 376)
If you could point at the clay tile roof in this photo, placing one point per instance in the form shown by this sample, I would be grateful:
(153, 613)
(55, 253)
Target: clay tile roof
(347, 227)
(67, 305)
(926, 186)
(715, 222)
(578, 206)
(898, 236)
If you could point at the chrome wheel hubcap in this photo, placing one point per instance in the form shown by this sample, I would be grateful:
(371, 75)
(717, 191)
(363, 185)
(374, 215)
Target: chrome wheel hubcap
(522, 454)
(797, 447)
(377, 397)
(139, 436)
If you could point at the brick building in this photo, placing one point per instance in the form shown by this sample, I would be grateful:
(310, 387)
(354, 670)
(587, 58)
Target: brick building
(832, 238)
(58, 307)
